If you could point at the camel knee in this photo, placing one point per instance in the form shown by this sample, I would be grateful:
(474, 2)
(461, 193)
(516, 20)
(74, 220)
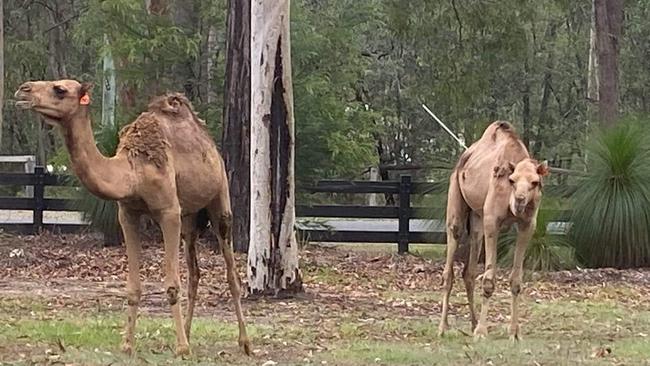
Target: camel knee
(455, 230)
(133, 297)
(448, 278)
(515, 287)
(172, 295)
(225, 224)
(488, 286)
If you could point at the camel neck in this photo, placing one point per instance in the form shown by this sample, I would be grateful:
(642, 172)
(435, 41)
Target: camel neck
(99, 174)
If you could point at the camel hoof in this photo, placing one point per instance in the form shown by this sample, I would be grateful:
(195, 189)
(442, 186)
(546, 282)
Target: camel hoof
(183, 350)
(127, 349)
(480, 332)
(442, 329)
(514, 338)
(245, 345)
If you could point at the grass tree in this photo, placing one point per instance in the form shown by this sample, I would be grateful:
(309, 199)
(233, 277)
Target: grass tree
(611, 214)
(273, 252)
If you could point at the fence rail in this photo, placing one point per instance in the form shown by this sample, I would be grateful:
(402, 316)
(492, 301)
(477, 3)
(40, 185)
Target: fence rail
(430, 219)
(38, 204)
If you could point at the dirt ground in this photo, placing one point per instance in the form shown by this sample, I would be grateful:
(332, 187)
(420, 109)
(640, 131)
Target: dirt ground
(356, 303)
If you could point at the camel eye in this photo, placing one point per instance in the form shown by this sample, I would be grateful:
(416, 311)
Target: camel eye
(512, 181)
(59, 91)
(535, 184)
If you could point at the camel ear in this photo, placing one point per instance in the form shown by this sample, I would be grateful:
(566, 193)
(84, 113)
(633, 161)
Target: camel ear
(542, 168)
(84, 93)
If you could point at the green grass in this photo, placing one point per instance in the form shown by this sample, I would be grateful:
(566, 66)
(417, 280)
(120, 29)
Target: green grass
(554, 333)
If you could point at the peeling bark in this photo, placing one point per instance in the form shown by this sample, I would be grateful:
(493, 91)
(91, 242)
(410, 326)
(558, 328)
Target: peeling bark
(273, 253)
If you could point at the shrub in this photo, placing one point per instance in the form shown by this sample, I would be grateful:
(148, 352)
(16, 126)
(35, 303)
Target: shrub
(611, 206)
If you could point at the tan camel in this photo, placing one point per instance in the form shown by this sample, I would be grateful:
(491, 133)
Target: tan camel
(166, 166)
(494, 185)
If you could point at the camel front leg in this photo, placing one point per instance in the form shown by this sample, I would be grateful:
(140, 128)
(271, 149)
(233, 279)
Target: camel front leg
(170, 223)
(129, 224)
(189, 238)
(221, 216)
(524, 234)
(491, 230)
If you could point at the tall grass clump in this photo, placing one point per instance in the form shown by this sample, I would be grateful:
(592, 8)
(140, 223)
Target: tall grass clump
(611, 205)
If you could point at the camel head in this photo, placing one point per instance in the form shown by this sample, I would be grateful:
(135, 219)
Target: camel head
(526, 182)
(58, 101)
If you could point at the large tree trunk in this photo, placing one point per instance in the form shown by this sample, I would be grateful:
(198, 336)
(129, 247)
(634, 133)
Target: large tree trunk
(235, 143)
(273, 253)
(609, 20)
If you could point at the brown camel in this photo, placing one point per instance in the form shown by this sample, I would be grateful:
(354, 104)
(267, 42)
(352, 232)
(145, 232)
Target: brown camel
(166, 166)
(494, 185)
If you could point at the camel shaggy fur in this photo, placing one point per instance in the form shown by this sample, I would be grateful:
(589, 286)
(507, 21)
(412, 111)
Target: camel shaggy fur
(495, 184)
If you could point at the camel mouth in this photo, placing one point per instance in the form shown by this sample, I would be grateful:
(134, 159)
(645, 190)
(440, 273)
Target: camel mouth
(520, 208)
(25, 104)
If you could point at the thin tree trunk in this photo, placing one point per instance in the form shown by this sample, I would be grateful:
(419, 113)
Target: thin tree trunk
(235, 143)
(592, 78)
(111, 237)
(609, 20)
(2, 68)
(273, 253)
(526, 105)
(212, 56)
(108, 87)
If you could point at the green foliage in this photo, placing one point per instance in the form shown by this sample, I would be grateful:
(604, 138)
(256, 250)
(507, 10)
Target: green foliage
(545, 252)
(611, 207)
(334, 131)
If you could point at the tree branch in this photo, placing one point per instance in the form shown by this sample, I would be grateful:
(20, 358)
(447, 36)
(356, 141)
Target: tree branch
(460, 24)
(67, 20)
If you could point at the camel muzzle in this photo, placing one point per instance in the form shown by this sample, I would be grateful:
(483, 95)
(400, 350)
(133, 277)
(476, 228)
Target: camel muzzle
(23, 99)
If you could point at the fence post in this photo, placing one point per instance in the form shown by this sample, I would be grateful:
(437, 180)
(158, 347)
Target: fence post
(39, 198)
(404, 214)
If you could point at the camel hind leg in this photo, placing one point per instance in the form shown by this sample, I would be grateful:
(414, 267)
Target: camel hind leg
(221, 217)
(456, 224)
(469, 270)
(189, 234)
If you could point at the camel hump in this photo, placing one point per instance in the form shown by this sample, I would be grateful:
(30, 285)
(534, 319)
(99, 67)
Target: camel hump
(497, 129)
(175, 105)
